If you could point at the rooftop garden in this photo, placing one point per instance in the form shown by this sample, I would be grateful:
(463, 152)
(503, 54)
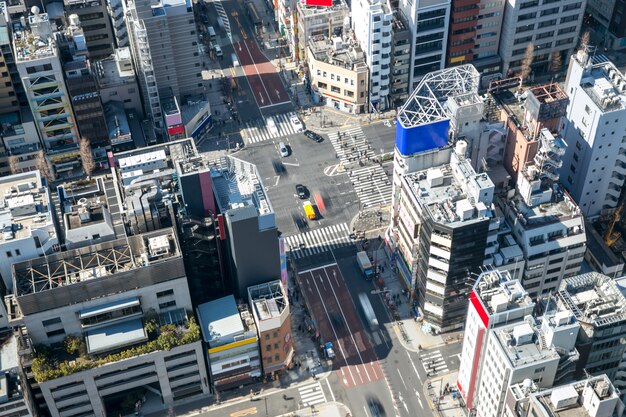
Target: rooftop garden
(50, 364)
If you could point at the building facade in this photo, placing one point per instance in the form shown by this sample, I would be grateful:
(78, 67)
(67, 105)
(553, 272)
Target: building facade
(93, 18)
(400, 59)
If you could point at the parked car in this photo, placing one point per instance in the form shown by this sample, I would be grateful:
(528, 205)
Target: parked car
(296, 123)
(282, 148)
(301, 191)
(313, 136)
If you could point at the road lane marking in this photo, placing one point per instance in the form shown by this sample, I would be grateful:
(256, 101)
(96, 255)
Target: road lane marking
(334, 332)
(402, 379)
(419, 400)
(258, 73)
(246, 412)
(365, 409)
(332, 394)
(347, 325)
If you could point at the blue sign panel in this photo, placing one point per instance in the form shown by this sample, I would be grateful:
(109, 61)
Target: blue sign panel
(422, 138)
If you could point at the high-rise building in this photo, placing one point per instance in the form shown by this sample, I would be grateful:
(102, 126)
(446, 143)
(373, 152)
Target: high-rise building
(594, 165)
(116, 80)
(590, 397)
(93, 18)
(401, 59)
(39, 66)
(165, 50)
(475, 35)
(372, 24)
(514, 352)
(429, 23)
(551, 27)
(608, 17)
(117, 10)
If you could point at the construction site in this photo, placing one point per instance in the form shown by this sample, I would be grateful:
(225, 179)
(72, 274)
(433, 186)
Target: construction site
(606, 240)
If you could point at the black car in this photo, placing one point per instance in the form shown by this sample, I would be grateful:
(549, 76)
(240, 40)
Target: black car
(301, 191)
(313, 136)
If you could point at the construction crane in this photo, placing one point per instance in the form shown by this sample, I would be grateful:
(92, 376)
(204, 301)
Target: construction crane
(610, 237)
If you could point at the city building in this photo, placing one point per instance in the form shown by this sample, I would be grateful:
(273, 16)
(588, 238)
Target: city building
(495, 300)
(118, 128)
(606, 17)
(14, 395)
(39, 66)
(544, 220)
(8, 98)
(600, 307)
(114, 319)
(272, 316)
(401, 59)
(429, 24)
(589, 397)
(338, 74)
(165, 49)
(312, 21)
(372, 25)
(115, 76)
(286, 18)
(8, 56)
(20, 140)
(551, 27)
(475, 34)
(247, 225)
(92, 16)
(117, 10)
(594, 165)
(27, 224)
(232, 343)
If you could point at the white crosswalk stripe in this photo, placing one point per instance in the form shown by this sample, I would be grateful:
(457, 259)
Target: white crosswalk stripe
(434, 362)
(351, 144)
(320, 240)
(372, 186)
(256, 130)
(223, 15)
(312, 394)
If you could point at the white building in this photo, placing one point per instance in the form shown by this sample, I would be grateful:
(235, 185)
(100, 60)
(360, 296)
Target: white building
(429, 22)
(371, 22)
(594, 166)
(551, 26)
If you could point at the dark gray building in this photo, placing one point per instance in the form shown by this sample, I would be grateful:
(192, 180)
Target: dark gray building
(400, 59)
(96, 24)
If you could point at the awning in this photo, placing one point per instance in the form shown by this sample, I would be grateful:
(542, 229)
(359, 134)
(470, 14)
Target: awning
(116, 336)
(108, 307)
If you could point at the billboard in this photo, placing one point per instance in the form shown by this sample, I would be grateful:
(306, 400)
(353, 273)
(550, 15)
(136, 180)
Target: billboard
(422, 138)
(324, 3)
(283, 262)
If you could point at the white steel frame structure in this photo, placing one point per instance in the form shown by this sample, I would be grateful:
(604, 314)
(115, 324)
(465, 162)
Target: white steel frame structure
(425, 104)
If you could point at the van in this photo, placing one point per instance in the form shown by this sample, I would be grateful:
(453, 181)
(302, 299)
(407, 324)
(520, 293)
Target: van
(218, 51)
(211, 33)
(233, 56)
(309, 210)
(282, 148)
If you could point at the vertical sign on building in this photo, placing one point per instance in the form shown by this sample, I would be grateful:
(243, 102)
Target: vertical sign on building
(283, 261)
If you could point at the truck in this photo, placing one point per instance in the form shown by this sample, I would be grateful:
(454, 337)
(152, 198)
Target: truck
(364, 263)
(309, 210)
(368, 312)
(329, 351)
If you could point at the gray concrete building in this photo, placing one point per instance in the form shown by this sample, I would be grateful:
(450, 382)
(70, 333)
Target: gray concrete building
(400, 59)
(115, 76)
(94, 20)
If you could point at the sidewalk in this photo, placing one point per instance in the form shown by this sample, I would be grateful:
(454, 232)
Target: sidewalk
(324, 119)
(329, 409)
(443, 398)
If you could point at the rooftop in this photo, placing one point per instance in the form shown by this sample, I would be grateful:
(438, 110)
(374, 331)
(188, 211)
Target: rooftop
(237, 184)
(336, 52)
(222, 323)
(34, 41)
(117, 122)
(594, 298)
(170, 106)
(561, 208)
(523, 343)
(95, 262)
(115, 70)
(578, 399)
(604, 84)
(337, 5)
(452, 193)
(498, 292)
(24, 205)
(268, 300)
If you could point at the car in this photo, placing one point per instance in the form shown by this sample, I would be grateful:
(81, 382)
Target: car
(271, 126)
(301, 191)
(296, 123)
(313, 136)
(218, 51)
(282, 148)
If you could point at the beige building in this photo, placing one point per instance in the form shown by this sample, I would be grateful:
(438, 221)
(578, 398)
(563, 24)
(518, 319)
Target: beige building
(312, 21)
(338, 73)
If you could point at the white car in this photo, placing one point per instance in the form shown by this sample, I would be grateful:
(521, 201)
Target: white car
(271, 126)
(296, 123)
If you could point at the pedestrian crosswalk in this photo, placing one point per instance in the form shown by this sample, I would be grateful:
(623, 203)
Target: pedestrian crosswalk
(260, 130)
(319, 240)
(311, 394)
(223, 16)
(372, 186)
(351, 145)
(434, 363)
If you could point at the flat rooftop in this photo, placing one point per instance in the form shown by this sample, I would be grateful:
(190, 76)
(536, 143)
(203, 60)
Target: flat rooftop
(605, 85)
(95, 262)
(8, 352)
(24, 205)
(524, 351)
(268, 300)
(337, 5)
(220, 321)
(446, 196)
(498, 292)
(237, 184)
(115, 70)
(350, 58)
(594, 298)
(34, 41)
(561, 208)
